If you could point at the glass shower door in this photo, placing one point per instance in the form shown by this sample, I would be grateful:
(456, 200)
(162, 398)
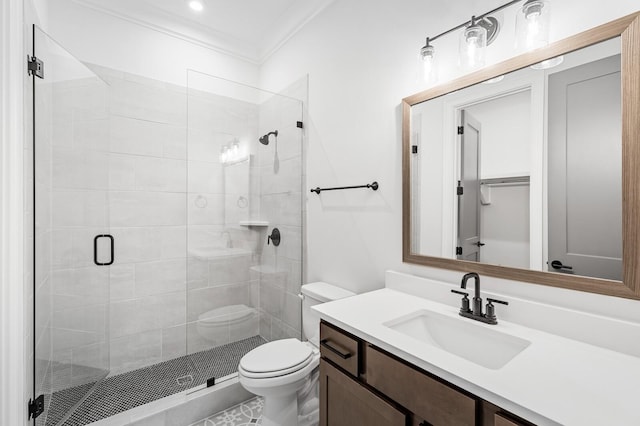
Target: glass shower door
(244, 164)
(72, 245)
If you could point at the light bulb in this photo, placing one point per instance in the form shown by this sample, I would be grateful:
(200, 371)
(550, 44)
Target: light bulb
(427, 54)
(532, 25)
(473, 44)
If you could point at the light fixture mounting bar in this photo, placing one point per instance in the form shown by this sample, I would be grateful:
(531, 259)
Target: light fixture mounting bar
(477, 18)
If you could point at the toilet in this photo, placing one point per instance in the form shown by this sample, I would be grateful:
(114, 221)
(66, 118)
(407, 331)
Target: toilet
(279, 369)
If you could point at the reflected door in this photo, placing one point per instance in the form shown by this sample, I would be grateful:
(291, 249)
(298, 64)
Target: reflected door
(585, 176)
(469, 190)
(72, 249)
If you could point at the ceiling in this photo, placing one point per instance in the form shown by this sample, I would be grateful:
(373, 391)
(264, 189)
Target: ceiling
(250, 29)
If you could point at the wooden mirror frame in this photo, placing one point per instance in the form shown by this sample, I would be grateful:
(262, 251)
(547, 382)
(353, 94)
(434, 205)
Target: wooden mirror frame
(628, 28)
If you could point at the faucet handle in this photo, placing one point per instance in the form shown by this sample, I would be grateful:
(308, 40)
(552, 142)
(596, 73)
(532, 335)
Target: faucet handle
(491, 310)
(464, 307)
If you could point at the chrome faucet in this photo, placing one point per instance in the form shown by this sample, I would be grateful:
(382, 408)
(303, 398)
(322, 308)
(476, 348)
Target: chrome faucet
(476, 313)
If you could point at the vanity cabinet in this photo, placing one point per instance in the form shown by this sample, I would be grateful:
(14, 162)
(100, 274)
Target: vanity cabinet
(346, 402)
(361, 384)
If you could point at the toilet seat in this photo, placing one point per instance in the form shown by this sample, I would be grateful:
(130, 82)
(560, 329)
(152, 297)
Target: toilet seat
(277, 358)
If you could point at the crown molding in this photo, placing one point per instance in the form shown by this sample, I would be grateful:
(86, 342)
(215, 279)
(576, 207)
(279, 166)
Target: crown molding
(207, 38)
(297, 22)
(292, 21)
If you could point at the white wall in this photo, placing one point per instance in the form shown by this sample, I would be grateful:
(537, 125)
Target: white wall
(361, 60)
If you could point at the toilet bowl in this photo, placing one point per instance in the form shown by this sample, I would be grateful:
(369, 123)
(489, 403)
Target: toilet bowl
(279, 369)
(217, 325)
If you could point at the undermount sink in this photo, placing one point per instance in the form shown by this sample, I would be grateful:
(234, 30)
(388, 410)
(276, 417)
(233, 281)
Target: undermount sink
(465, 338)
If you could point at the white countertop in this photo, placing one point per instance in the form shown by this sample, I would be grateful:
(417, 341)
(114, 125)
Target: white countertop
(554, 381)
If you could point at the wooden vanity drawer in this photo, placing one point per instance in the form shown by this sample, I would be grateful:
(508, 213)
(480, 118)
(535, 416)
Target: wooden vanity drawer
(430, 399)
(499, 420)
(340, 348)
(344, 401)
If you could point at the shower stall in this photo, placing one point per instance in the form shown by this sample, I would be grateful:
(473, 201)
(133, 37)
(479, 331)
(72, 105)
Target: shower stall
(154, 213)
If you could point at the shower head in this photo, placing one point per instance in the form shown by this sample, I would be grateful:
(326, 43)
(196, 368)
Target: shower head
(264, 140)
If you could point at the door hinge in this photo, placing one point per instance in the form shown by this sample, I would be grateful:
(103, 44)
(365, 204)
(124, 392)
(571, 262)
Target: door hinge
(35, 66)
(36, 407)
(299, 124)
(460, 130)
(459, 190)
(458, 251)
(414, 149)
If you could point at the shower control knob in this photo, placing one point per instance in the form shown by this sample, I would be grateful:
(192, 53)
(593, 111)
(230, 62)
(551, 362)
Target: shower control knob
(274, 237)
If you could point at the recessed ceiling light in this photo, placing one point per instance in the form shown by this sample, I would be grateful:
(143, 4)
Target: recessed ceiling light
(196, 5)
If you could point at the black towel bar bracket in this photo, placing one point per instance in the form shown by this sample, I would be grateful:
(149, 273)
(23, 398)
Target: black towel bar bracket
(373, 186)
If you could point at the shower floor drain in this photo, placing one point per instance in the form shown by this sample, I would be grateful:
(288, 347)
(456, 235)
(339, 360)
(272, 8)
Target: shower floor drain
(184, 380)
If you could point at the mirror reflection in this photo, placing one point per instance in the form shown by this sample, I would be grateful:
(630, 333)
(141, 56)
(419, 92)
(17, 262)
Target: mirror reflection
(525, 170)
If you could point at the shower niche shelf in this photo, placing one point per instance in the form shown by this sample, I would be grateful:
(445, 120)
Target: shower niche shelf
(254, 223)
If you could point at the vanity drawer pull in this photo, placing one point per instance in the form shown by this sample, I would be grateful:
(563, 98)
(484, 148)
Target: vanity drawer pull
(342, 354)
(341, 348)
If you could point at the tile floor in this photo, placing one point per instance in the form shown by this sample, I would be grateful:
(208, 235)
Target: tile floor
(249, 413)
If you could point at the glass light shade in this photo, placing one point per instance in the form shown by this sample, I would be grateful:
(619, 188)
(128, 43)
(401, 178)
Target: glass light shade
(427, 64)
(473, 46)
(532, 25)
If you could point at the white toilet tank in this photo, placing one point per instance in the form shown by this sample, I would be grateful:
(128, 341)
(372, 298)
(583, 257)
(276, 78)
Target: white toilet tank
(313, 294)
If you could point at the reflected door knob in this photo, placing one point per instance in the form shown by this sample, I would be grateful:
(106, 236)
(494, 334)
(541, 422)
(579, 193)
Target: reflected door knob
(556, 264)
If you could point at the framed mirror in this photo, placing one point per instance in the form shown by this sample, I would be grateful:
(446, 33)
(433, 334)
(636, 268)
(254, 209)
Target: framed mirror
(530, 169)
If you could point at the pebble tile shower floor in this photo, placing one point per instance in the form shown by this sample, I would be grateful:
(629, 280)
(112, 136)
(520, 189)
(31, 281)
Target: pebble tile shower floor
(129, 390)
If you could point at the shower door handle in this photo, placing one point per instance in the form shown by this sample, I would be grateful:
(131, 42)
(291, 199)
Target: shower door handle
(95, 249)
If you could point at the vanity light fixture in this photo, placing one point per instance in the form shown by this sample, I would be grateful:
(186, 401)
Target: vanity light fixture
(532, 25)
(224, 154)
(532, 31)
(427, 59)
(196, 5)
(473, 45)
(232, 153)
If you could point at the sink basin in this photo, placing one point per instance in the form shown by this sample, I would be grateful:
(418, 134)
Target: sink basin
(463, 337)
